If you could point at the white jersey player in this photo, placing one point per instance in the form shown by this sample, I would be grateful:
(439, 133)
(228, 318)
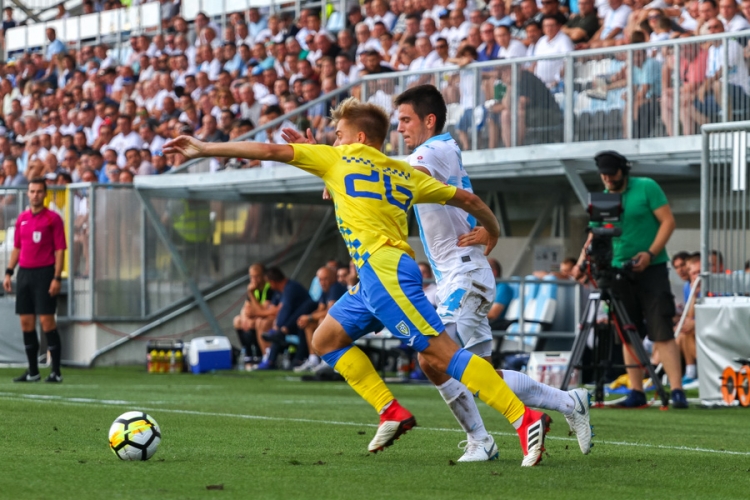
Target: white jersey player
(465, 283)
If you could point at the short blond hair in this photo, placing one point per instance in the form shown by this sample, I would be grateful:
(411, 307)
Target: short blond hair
(367, 117)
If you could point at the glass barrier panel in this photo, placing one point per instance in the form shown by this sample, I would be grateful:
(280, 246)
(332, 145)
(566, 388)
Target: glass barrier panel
(150, 15)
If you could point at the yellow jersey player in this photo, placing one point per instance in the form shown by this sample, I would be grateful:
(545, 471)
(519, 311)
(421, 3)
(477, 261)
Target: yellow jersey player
(372, 194)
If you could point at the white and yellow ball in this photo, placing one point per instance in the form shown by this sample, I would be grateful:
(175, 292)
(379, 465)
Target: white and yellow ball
(134, 436)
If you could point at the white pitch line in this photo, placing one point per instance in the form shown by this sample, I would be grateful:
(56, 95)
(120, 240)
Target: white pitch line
(43, 398)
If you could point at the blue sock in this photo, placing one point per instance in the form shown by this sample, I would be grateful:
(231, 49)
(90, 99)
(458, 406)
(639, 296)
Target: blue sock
(458, 364)
(333, 357)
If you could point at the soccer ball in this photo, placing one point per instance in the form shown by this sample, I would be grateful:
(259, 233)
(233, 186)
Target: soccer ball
(134, 436)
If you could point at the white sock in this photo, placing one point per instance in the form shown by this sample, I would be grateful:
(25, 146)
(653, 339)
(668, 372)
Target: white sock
(266, 354)
(690, 371)
(538, 395)
(313, 358)
(464, 408)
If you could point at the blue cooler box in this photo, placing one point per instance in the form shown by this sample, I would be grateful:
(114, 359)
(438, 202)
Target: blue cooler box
(210, 353)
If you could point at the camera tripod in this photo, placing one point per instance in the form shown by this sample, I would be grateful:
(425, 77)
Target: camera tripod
(603, 343)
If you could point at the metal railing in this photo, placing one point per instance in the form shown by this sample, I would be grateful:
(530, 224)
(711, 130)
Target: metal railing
(725, 209)
(118, 268)
(498, 104)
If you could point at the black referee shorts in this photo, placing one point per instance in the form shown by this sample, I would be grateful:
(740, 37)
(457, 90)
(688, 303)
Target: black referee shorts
(32, 291)
(648, 300)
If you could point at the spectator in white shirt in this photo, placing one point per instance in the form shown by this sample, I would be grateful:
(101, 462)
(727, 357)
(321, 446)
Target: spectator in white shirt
(428, 27)
(126, 139)
(381, 13)
(150, 137)
(731, 17)
(250, 108)
(242, 35)
(509, 47)
(497, 14)
(257, 23)
(210, 65)
(612, 30)
(554, 42)
(533, 32)
(458, 31)
(347, 72)
(364, 41)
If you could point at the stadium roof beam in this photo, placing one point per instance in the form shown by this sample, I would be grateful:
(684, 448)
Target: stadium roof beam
(502, 169)
(29, 13)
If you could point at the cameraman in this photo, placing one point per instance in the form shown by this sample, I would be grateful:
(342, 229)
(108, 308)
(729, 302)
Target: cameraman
(647, 223)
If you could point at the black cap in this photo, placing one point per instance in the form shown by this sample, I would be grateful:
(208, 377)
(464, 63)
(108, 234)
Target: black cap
(609, 162)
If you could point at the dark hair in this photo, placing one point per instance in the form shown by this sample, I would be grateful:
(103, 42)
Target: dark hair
(637, 37)
(39, 180)
(558, 18)
(719, 257)
(683, 255)
(413, 16)
(534, 24)
(12, 159)
(273, 109)
(426, 100)
(275, 274)
(712, 2)
(496, 267)
(132, 149)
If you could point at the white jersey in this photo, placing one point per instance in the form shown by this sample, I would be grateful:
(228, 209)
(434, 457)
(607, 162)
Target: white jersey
(441, 225)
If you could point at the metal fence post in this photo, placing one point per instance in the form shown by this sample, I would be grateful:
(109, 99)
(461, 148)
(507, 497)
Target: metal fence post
(705, 206)
(676, 84)
(92, 256)
(725, 79)
(513, 105)
(477, 98)
(71, 248)
(569, 85)
(629, 92)
(144, 311)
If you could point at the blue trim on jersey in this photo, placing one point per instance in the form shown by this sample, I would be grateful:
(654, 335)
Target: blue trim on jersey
(333, 357)
(433, 265)
(465, 181)
(458, 364)
(472, 221)
(442, 137)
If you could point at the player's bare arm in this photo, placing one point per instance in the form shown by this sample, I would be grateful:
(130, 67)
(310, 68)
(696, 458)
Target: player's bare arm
(11, 265)
(472, 204)
(191, 147)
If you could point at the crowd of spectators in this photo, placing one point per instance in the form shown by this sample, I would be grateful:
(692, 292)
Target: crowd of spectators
(104, 112)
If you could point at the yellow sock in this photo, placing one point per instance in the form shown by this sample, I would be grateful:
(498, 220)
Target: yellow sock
(484, 382)
(359, 373)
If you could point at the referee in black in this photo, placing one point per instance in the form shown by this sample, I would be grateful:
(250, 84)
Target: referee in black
(39, 250)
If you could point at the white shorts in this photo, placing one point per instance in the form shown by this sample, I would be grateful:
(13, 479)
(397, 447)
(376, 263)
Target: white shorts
(463, 303)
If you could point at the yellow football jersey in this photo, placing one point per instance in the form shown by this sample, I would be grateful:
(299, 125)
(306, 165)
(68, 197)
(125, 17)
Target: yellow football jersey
(372, 194)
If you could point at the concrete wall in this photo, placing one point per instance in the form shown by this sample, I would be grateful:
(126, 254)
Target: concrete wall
(82, 340)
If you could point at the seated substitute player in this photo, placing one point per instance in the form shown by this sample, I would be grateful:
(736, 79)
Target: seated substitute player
(372, 194)
(257, 315)
(465, 280)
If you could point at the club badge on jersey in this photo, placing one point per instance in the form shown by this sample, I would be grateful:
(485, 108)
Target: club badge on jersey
(36, 236)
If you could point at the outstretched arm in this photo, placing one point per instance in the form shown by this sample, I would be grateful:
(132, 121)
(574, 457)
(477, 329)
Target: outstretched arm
(471, 203)
(191, 147)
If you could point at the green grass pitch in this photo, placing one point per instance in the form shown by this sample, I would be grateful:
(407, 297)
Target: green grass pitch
(257, 436)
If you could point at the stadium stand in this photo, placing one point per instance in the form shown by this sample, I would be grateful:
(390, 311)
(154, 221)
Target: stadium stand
(221, 69)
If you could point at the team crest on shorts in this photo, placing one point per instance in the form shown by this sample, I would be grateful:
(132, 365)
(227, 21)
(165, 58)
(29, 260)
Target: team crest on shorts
(403, 329)
(36, 236)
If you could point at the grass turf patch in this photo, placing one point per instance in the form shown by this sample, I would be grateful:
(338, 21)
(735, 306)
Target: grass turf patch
(251, 435)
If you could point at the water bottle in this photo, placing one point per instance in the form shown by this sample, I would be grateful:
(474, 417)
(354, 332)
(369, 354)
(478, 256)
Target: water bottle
(241, 360)
(286, 361)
